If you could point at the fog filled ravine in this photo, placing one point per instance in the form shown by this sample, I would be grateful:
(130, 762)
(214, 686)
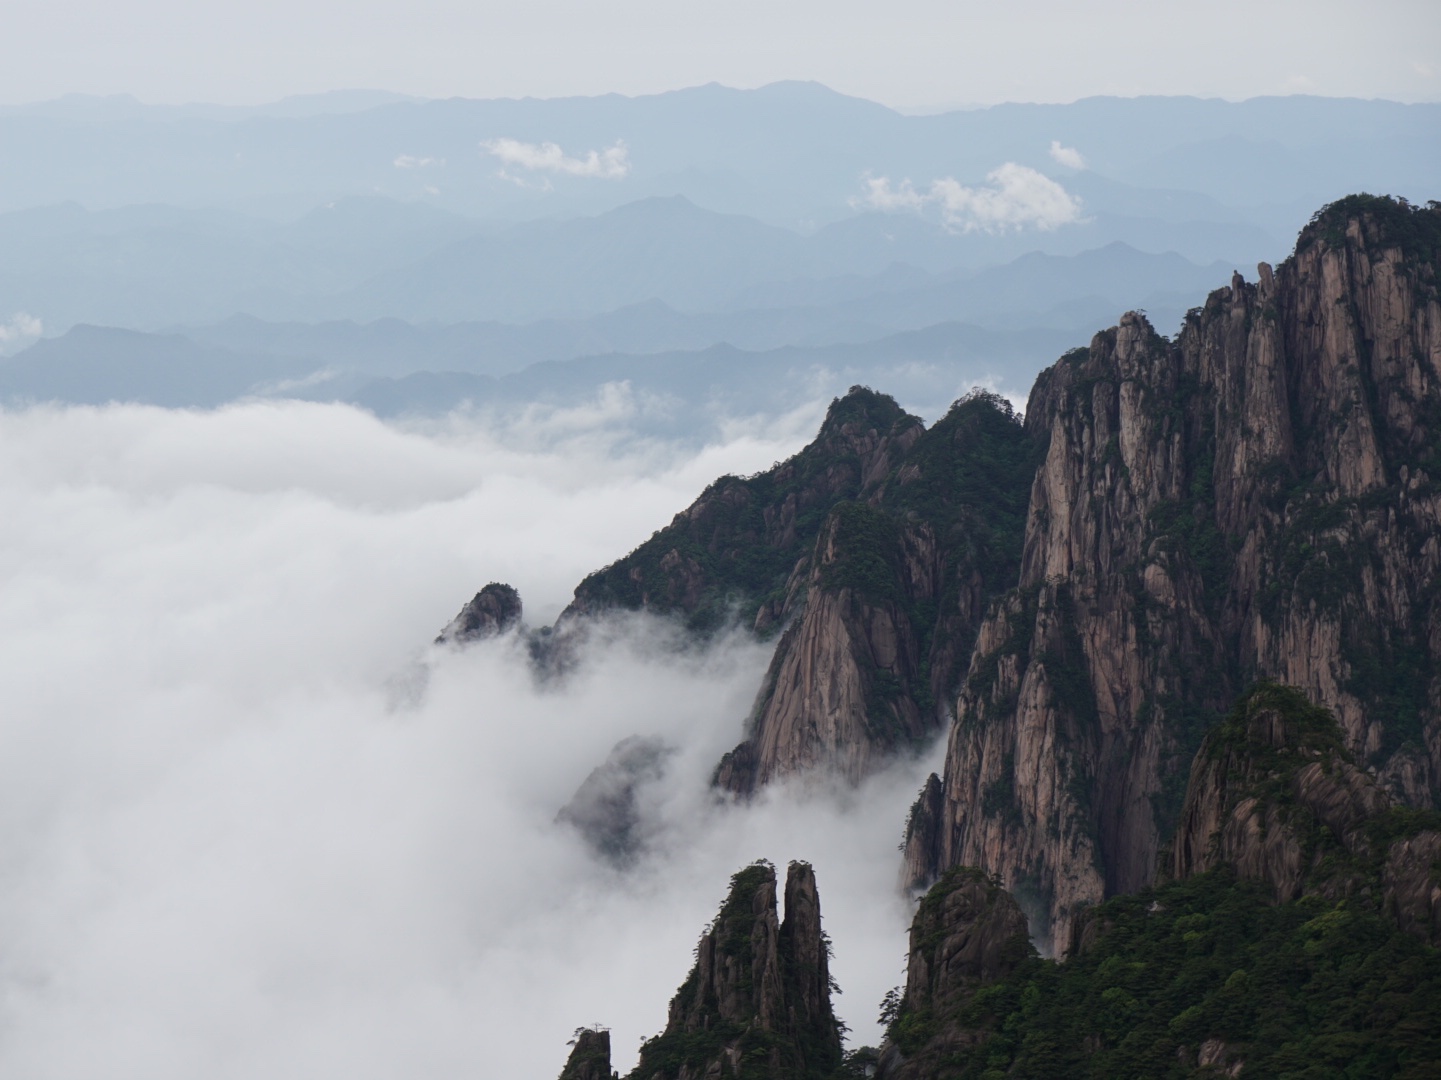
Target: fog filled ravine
(252, 824)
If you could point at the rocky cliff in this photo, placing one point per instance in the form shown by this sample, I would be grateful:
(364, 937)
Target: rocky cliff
(731, 553)
(1297, 924)
(757, 1003)
(881, 613)
(1275, 795)
(873, 552)
(1256, 498)
(967, 932)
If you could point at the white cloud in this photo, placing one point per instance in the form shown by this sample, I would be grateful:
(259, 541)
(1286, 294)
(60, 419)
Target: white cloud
(612, 163)
(408, 161)
(1068, 156)
(1015, 197)
(225, 853)
(20, 331)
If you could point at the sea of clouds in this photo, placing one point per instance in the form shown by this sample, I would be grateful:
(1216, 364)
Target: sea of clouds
(252, 824)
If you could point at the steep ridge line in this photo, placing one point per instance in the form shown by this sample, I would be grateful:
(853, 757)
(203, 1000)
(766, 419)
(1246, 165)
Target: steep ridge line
(1254, 499)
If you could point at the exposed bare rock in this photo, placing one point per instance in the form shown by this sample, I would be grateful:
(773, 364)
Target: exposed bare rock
(840, 691)
(1257, 498)
(590, 1058)
(884, 609)
(1217, 1055)
(967, 931)
(922, 845)
(1275, 795)
(1412, 882)
(493, 610)
(1262, 784)
(759, 993)
(605, 808)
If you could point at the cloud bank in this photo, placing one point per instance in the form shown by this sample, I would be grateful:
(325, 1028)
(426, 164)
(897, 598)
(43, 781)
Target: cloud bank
(1014, 197)
(229, 852)
(612, 163)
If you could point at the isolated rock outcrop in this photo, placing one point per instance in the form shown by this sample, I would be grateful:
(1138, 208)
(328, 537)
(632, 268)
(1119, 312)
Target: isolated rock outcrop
(605, 809)
(967, 932)
(757, 1003)
(590, 1057)
(493, 610)
(1257, 498)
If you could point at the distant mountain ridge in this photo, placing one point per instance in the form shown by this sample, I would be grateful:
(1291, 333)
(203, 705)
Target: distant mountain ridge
(784, 153)
(929, 336)
(363, 259)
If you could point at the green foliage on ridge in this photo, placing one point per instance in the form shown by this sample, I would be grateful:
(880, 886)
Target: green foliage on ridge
(1311, 989)
(1415, 229)
(1323, 987)
(731, 540)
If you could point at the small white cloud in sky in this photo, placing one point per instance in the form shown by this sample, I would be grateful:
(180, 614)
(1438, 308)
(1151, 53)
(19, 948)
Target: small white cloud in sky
(21, 330)
(1426, 71)
(612, 163)
(1068, 156)
(1014, 197)
(409, 161)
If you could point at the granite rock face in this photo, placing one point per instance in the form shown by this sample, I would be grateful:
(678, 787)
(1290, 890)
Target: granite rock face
(872, 553)
(757, 1003)
(492, 611)
(881, 614)
(1275, 795)
(967, 932)
(1412, 882)
(1262, 783)
(1256, 499)
(841, 689)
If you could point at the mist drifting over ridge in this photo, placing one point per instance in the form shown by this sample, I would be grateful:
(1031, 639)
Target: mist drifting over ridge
(229, 850)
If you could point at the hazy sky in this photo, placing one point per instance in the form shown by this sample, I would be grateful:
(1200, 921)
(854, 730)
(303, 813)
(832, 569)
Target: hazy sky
(911, 53)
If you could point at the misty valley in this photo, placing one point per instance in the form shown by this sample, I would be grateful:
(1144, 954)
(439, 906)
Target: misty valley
(720, 584)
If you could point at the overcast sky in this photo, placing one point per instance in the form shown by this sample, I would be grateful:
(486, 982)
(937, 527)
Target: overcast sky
(908, 53)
